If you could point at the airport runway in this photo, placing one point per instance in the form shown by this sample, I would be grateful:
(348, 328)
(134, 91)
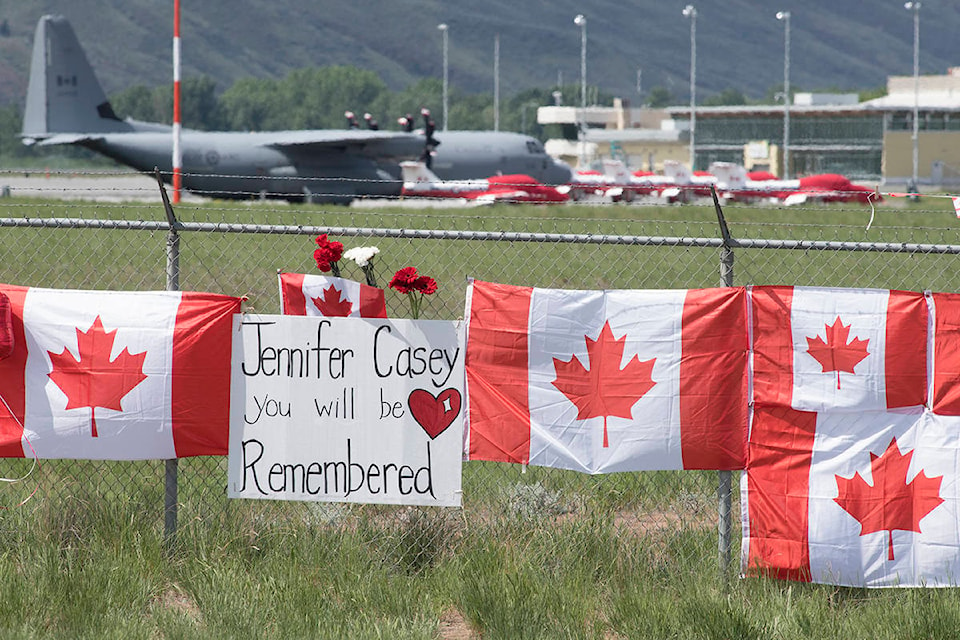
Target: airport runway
(106, 187)
(126, 187)
(134, 187)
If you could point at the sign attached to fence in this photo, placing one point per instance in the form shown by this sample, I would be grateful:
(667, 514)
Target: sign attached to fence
(346, 410)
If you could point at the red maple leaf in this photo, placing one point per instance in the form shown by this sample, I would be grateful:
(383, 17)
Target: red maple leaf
(892, 502)
(94, 380)
(605, 389)
(836, 354)
(333, 303)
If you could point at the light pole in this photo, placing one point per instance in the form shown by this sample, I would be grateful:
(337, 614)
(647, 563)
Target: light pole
(443, 29)
(785, 16)
(496, 82)
(690, 11)
(581, 21)
(915, 7)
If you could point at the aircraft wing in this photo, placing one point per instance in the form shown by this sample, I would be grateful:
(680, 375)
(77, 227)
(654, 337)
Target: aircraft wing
(367, 142)
(61, 138)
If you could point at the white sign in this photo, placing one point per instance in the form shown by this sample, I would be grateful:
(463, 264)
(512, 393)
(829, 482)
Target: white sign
(346, 410)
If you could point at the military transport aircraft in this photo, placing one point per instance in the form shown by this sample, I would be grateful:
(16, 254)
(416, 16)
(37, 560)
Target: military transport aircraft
(66, 105)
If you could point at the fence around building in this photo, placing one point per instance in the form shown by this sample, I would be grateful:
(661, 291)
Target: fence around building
(682, 520)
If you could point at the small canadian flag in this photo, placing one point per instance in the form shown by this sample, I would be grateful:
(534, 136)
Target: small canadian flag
(314, 295)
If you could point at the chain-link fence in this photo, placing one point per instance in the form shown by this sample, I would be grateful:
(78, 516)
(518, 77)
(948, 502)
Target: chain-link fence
(665, 521)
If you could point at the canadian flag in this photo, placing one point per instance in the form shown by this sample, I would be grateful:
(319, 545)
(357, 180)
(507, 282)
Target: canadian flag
(605, 381)
(866, 497)
(110, 375)
(839, 349)
(945, 391)
(6, 327)
(312, 295)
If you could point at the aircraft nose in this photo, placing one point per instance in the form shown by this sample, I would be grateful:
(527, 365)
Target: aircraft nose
(559, 172)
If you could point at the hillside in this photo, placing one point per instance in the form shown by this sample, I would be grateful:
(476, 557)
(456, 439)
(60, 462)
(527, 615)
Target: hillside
(836, 44)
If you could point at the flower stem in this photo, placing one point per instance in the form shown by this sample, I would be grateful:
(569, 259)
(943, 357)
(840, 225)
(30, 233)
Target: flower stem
(414, 304)
(368, 272)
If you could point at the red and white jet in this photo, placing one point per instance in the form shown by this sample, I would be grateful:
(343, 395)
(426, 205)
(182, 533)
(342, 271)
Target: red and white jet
(621, 185)
(735, 183)
(420, 182)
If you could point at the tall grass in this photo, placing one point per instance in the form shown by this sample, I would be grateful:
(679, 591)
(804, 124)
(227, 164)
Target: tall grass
(535, 553)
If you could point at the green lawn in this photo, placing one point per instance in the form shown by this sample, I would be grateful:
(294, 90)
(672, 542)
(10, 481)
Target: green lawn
(535, 553)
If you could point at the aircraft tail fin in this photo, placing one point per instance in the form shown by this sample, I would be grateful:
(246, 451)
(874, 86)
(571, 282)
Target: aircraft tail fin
(414, 171)
(63, 94)
(729, 175)
(615, 169)
(678, 171)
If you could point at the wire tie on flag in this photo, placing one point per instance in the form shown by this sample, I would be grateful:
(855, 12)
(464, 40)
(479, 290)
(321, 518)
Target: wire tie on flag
(873, 211)
(244, 314)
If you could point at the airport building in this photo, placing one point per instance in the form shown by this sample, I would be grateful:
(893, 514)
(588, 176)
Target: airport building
(828, 133)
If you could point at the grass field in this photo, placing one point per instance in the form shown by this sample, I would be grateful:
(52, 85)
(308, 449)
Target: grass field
(538, 553)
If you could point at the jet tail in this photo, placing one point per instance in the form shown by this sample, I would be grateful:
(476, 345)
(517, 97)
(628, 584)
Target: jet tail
(678, 171)
(63, 94)
(414, 171)
(729, 175)
(615, 169)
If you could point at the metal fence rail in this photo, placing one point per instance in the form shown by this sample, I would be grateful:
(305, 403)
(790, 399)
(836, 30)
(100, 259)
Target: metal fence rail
(678, 518)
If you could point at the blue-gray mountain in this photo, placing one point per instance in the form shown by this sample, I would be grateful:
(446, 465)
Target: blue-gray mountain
(836, 44)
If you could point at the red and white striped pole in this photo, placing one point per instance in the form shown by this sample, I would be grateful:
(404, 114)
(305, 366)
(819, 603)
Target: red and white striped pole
(177, 154)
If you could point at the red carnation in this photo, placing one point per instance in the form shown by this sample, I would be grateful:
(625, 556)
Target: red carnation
(425, 285)
(408, 281)
(404, 280)
(328, 254)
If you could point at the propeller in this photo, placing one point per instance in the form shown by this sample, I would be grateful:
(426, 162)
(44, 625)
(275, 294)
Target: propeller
(430, 143)
(406, 123)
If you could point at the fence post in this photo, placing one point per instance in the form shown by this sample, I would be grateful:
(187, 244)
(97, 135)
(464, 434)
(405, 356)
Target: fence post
(170, 475)
(725, 479)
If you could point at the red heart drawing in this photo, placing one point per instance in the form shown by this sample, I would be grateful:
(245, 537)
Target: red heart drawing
(434, 413)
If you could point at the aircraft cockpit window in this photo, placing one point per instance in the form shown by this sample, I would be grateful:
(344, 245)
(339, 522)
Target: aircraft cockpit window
(534, 146)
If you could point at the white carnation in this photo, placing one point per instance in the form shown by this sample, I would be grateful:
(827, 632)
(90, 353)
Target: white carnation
(361, 255)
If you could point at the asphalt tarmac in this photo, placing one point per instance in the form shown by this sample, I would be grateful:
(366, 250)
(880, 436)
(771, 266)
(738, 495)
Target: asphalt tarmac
(129, 187)
(86, 187)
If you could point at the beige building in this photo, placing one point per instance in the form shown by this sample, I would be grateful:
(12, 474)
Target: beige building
(937, 99)
(828, 133)
(642, 138)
